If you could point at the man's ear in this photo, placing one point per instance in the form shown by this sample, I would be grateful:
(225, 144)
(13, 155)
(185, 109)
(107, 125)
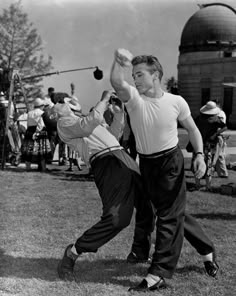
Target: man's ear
(156, 75)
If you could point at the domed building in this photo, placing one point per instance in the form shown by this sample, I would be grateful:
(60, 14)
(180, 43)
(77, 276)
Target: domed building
(207, 59)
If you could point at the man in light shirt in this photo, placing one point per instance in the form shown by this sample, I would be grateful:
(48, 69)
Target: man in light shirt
(154, 116)
(117, 178)
(221, 167)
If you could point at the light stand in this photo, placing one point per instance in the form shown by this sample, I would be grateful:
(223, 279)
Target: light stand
(98, 74)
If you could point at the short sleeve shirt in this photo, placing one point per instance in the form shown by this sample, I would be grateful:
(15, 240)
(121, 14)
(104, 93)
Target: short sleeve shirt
(154, 121)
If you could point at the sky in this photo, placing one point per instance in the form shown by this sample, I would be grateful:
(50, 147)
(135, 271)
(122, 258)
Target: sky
(85, 33)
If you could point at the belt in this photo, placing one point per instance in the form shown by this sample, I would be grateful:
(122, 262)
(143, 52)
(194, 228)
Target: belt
(158, 154)
(104, 151)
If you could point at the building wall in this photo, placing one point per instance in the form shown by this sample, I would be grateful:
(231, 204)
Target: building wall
(203, 72)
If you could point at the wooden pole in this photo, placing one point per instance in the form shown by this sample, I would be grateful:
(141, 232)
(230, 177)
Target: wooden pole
(23, 91)
(11, 90)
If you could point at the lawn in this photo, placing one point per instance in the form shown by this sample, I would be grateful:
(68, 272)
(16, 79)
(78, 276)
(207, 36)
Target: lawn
(43, 213)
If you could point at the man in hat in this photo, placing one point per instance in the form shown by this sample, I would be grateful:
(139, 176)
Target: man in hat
(220, 166)
(210, 127)
(51, 125)
(154, 116)
(73, 156)
(116, 176)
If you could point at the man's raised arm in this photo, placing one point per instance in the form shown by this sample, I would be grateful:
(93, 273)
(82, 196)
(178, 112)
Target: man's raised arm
(122, 59)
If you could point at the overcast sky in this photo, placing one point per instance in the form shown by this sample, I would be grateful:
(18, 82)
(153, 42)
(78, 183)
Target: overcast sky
(84, 33)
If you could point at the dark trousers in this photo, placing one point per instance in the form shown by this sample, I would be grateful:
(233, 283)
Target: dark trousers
(195, 235)
(118, 181)
(164, 182)
(192, 230)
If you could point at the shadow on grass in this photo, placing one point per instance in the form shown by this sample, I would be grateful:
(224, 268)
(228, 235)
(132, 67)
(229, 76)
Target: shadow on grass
(191, 186)
(190, 268)
(215, 216)
(32, 170)
(76, 177)
(56, 172)
(102, 271)
(114, 271)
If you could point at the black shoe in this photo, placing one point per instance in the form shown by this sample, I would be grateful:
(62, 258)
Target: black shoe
(134, 259)
(65, 267)
(69, 170)
(211, 268)
(143, 286)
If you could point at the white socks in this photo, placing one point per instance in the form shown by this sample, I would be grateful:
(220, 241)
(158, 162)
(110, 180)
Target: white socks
(152, 279)
(208, 257)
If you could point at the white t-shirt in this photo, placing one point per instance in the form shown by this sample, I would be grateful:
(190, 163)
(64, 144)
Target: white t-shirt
(154, 120)
(34, 118)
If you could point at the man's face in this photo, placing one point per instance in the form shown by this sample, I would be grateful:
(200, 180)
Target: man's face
(212, 119)
(60, 110)
(143, 79)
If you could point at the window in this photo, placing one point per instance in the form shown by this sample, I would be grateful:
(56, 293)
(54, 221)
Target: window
(206, 95)
(227, 54)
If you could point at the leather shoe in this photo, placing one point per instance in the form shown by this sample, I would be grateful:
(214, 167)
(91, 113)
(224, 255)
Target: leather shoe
(211, 268)
(143, 286)
(65, 267)
(134, 259)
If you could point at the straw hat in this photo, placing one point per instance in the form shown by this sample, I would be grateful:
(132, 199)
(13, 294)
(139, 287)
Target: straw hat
(73, 103)
(210, 109)
(38, 103)
(48, 102)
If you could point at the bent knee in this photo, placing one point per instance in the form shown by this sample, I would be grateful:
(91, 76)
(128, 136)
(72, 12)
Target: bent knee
(120, 222)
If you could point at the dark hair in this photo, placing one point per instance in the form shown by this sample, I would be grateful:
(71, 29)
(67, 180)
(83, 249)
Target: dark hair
(51, 89)
(151, 61)
(58, 97)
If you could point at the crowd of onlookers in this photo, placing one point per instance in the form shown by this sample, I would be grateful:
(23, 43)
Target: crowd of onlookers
(40, 138)
(32, 134)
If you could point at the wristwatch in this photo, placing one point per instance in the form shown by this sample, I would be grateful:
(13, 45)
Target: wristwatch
(200, 153)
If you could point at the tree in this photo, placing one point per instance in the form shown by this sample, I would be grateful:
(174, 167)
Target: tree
(172, 85)
(21, 48)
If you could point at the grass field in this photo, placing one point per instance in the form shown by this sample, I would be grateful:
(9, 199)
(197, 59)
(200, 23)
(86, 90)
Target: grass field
(43, 213)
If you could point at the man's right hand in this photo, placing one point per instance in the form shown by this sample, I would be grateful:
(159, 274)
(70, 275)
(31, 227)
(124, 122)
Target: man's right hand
(106, 95)
(123, 57)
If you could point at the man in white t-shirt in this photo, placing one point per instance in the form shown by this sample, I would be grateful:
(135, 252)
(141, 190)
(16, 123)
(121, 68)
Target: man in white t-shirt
(154, 116)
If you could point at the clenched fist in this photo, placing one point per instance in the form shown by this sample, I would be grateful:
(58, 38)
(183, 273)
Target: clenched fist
(123, 57)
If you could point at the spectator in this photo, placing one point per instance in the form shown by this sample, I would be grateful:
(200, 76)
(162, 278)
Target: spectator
(210, 128)
(36, 147)
(220, 166)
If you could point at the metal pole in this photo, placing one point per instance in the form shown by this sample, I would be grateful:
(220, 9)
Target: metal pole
(57, 72)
